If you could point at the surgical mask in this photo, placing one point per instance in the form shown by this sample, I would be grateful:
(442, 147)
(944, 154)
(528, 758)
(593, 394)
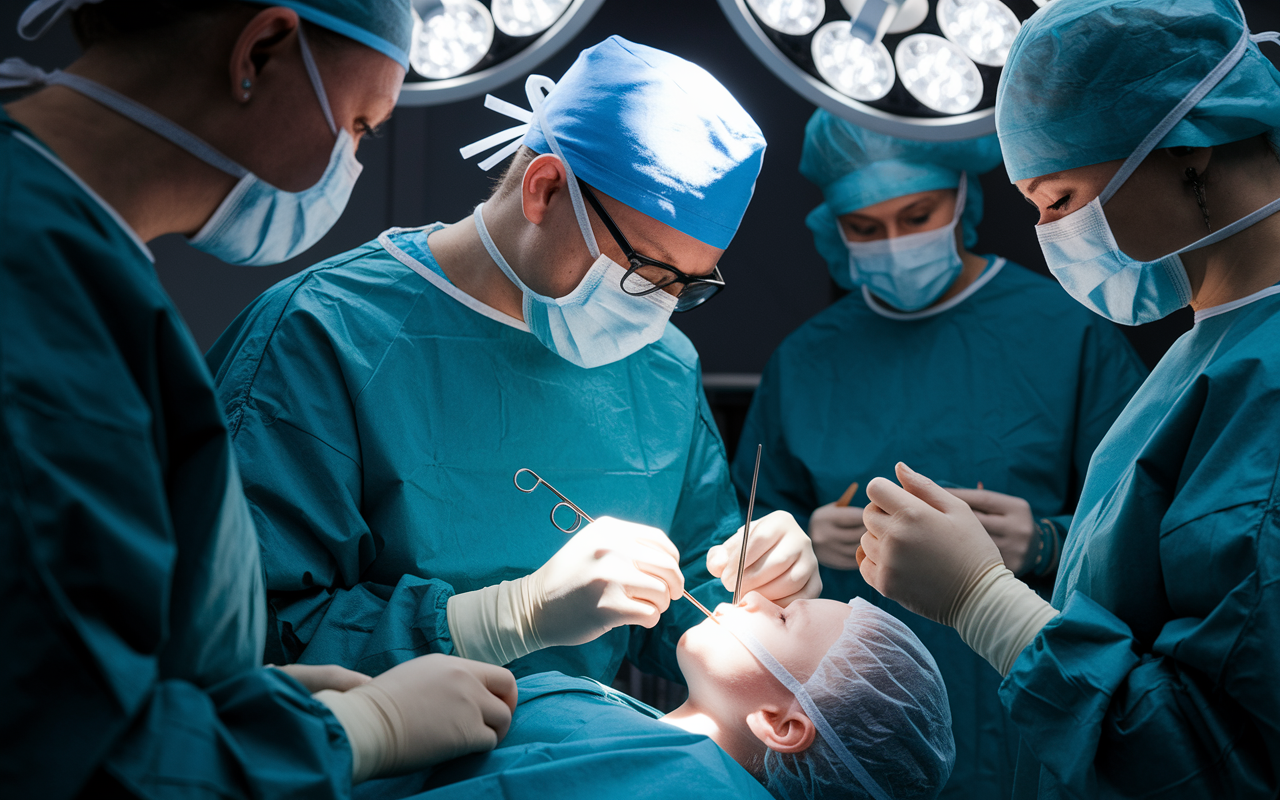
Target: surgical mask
(908, 272)
(1082, 253)
(597, 323)
(256, 223)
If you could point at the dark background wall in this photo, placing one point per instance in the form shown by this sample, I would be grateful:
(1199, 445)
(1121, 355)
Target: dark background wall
(413, 175)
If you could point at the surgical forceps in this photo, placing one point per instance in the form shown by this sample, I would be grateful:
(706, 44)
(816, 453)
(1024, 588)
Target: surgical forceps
(746, 529)
(579, 516)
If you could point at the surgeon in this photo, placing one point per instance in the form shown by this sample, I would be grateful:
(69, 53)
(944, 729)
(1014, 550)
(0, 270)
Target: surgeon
(134, 609)
(969, 366)
(382, 402)
(820, 699)
(1146, 132)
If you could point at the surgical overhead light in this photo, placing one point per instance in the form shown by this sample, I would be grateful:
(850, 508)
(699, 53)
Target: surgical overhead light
(923, 69)
(464, 48)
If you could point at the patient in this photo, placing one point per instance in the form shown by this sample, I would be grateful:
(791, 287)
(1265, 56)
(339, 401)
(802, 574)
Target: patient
(741, 731)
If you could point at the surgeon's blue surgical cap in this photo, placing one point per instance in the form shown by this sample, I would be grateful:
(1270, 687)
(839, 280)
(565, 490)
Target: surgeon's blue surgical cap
(657, 133)
(881, 691)
(1087, 80)
(384, 25)
(856, 168)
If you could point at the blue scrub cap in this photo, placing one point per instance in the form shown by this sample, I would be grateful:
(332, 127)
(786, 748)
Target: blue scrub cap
(384, 25)
(856, 168)
(650, 130)
(1088, 80)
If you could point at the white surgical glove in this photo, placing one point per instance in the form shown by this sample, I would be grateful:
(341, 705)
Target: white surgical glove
(1007, 519)
(780, 563)
(836, 532)
(610, 573)
(925, 549)
(423, 712)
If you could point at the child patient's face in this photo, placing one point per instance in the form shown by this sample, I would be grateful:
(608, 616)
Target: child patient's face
(723, 675)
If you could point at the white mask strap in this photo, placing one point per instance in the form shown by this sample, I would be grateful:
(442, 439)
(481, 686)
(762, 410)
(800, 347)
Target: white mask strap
(54, 9)
(314, 74)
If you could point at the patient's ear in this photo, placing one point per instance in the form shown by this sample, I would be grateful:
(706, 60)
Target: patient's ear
(786, 731)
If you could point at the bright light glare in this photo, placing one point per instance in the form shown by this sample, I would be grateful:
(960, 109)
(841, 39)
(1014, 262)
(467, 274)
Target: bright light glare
(984, 29)
(527, 17)
(795, 17)
(452, 40)
(938, 74)
(861, 70)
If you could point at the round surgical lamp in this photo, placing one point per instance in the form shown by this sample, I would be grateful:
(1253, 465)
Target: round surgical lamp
(920, 69)
(464, 48)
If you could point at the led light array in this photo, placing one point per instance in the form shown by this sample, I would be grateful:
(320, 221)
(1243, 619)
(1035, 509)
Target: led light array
(452, 37)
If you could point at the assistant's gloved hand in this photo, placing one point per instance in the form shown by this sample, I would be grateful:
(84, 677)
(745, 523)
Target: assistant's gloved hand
(781, 565)
(423, 712)
(318, 677)
(1008, 521)
(836, 532)
(610, 573)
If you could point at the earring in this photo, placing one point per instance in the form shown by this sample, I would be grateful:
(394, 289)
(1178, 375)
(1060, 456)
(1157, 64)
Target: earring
(246, 84)
(1197, 186)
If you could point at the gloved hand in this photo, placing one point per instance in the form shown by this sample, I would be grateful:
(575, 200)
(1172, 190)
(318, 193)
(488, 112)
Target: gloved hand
(781, 565)
(923, 547)
(1008, 521)
(836, 532)
(423, 712)
(318, 677)
(610, 573)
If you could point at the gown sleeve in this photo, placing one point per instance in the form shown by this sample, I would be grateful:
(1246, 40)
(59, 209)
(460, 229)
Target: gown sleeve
(1188, 686)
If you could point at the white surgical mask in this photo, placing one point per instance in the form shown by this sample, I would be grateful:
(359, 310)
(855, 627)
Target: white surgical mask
(256, 223)
(908, 272)
(1082, 253)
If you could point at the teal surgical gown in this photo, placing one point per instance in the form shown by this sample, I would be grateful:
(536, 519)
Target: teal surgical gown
(1011, 383)
(1159, 676)
(133, 604)
(575, 738)
(379, 416)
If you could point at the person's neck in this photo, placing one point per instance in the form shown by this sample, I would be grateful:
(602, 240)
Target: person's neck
(741, 745)
(155, 186)
(461, 254)
(1245, 263)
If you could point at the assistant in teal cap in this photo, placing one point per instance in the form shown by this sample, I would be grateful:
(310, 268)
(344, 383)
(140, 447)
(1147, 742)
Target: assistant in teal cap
(856, 168)
(1086, 81)
(658, 133)
(384, 25)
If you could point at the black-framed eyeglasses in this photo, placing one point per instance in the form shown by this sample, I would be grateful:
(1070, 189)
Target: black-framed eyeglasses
(646, 275)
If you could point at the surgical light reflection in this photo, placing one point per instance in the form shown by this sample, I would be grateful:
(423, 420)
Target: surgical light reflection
(938, 74)
(527, 17)
(794, 17)
(451, 40)
(856, 68)
(984, 29)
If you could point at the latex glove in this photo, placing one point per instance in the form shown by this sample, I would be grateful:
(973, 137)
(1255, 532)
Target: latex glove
(923, 547)
(422, 712)
(318, 677)
(610, 573)
(1008, 521)
(836, 532)
(781, 565)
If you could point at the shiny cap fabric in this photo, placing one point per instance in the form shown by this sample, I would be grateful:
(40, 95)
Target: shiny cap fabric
(1087, 80)
(384, 25)
(657, 133)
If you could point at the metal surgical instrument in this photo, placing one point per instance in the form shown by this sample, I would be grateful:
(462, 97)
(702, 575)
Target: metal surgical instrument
(579, 516)
(746, 529)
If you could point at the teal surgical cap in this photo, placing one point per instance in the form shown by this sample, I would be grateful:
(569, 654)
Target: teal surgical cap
(856, 168)
(384, 25)
(657, 133)
(1087, 80)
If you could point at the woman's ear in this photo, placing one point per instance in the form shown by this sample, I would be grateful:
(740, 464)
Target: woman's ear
(787, 731)
(543, 179)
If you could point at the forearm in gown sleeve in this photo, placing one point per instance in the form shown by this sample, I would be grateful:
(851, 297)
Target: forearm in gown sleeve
(706, 514)
(304, 492)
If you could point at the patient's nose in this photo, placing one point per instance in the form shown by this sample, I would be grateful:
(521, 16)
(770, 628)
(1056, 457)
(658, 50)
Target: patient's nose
(754, 601)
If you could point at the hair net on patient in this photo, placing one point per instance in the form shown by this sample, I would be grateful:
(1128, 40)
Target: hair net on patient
(856, 168)
(879, 695)
(1086, 81)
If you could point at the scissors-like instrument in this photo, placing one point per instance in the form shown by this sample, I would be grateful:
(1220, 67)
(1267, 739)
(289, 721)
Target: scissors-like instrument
(746, 529)
(579, 517)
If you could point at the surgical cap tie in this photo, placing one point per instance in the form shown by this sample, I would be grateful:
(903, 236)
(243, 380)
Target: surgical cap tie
(810, 708)
(536, 88)
(54, 9)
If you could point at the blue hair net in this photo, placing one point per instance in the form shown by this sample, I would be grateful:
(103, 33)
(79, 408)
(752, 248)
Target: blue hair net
(384, 25)
(881, 692)
(1087, 80)
(856, 168)
(657, 133)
